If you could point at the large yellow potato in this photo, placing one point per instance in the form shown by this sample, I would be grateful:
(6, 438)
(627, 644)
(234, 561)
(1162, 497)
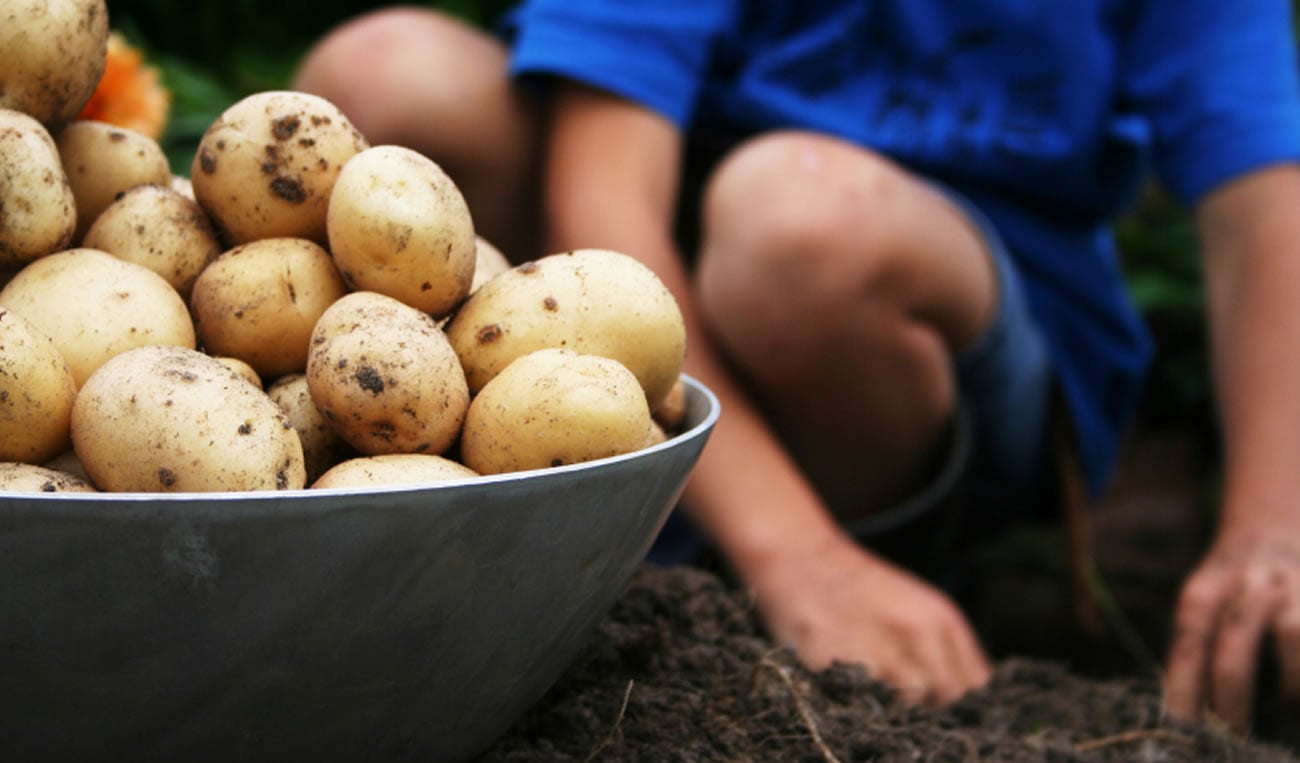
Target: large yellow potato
(554, 407)
(399, 226)
(393, 469)
(17, 477)
(592, 301)
(38, 214)
(260, 301)
(94, 306)
(53, 54)
(104, 160)
(385, 377)
(267, 166)
(160, 228)
(171, 420)
(36, 393)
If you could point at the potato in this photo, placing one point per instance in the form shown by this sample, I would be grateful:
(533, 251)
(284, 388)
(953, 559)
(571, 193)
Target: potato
(322, 448)
(399, 226)
(385, 377)
(104, 160)
(671, 411)
(393, 469)
(55, 52)
(267, 166)
(247, 372)
(171, 419)
(36, 393)
(488, 262)
(94, 306)
(591, 301)
(260, 301)
(68, 463)
(158, 227)
(38, 214)
(553, 407)
(31, 478)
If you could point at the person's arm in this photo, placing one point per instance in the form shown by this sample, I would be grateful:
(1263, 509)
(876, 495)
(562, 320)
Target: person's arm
(1248, 586)
(612, 182)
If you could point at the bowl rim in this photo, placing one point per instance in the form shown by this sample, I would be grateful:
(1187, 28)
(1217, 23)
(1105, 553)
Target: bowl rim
(700, 428)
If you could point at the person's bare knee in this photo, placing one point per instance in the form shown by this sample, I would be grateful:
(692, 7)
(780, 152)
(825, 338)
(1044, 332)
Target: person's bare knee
(798, 223)
(786, 238)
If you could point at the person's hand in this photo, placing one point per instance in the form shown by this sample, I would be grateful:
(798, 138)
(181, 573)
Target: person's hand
(845, 604)
(1247, 587)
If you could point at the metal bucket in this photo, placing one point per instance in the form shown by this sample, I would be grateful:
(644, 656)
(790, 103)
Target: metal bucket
(387, 624)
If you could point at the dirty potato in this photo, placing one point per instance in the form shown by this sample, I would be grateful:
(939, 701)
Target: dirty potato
(554, 407)
(385, 377)
(38, 213)
(267, 166)
(94, 306)
(592, 301)
(159, 228)
(260, 301)
(36, 393)
(104, 160)
(172, 420)
(322, 448)
(399, 226)
(54, 53)
(18, 477)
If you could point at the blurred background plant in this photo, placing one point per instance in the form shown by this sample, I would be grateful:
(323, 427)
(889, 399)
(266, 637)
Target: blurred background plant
(210, 54)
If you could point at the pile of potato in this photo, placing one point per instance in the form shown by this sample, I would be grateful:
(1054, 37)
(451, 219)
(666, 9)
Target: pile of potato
(305, 310)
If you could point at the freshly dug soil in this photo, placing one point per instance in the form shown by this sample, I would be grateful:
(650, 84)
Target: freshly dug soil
(680, 670)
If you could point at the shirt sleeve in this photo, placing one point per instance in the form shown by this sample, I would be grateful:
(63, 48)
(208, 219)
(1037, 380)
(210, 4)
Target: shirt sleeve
(1217, 83)
(653, 52)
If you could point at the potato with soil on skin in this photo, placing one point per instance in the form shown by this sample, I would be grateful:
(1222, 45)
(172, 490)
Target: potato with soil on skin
(322, 448)
(267, 166)
(36, 393)
(17, 477)
(393, 469)
(38, 213)
(592, 301)
(245, 371)
(158, 227)
(173, 420)
(94, 306)
(55, 52)
(385, 377)
(104, 160)
(260, 301)
(399, 226)
(554, 407)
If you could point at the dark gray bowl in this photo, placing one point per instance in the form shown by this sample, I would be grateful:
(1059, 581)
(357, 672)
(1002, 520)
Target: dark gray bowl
(399, 624)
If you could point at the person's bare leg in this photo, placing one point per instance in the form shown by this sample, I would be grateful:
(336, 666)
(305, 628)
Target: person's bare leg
(419, 79)
(840, 285)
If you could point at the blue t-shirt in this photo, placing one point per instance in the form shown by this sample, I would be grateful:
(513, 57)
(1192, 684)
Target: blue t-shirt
(1046, 115)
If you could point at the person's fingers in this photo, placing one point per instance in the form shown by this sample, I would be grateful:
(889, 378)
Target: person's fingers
(1286, 633)
(1241, 629)
(1194, 621)
(967, 663)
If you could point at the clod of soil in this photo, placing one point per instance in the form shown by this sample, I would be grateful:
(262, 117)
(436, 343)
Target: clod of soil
(681, 670)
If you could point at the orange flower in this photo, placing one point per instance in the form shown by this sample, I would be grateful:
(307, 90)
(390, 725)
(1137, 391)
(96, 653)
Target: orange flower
(129, 94)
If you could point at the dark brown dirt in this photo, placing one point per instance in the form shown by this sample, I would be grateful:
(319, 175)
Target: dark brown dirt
(681, 670)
